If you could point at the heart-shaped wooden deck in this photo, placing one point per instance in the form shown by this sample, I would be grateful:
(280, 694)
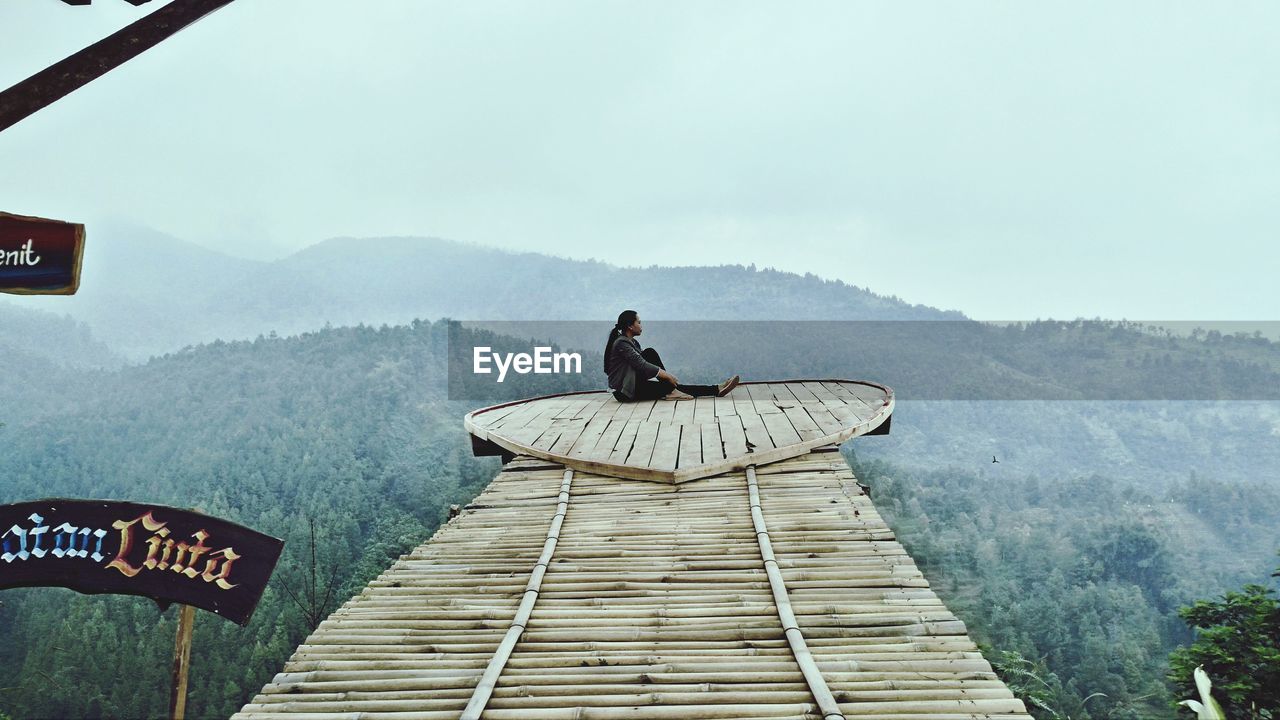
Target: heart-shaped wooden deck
(679, 440)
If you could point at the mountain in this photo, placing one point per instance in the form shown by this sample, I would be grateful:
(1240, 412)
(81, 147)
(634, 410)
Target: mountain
(141, 291)
(146, 293)
(53, 338)
(149, 294)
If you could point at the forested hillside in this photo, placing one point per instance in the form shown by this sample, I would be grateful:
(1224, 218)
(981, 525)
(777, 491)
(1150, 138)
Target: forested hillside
(1082, 575)
(351, 428)
(344, 427)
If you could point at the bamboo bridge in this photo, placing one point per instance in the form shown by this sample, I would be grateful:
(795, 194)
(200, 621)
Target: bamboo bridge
(667, 560)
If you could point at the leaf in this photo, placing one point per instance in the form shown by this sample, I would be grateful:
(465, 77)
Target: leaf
(1209, 709)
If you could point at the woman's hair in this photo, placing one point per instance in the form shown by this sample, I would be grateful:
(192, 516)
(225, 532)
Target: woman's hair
(625, 319)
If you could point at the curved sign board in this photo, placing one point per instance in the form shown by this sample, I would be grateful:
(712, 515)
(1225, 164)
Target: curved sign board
(39, 256)
(166, 554)
(680, 440)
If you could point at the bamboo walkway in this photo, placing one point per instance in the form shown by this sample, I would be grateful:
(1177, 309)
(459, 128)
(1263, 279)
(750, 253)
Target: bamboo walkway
(656, 601)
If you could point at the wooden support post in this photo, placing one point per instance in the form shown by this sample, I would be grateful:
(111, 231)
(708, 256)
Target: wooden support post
(78, 69)
(181, 663)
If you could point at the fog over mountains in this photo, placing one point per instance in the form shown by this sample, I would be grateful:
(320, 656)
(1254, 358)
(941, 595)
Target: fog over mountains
(145, 293)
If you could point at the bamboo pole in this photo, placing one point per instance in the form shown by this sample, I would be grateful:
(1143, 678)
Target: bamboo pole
(489, 680)
(795, 638)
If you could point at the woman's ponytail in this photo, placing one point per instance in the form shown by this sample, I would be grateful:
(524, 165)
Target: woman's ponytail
(625, 319)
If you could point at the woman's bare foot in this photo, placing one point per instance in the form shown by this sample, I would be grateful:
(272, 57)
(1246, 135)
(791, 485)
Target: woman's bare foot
(727, 386)
(678, 395)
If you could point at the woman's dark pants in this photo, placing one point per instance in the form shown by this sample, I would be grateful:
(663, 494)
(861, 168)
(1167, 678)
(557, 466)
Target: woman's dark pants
(655, 389)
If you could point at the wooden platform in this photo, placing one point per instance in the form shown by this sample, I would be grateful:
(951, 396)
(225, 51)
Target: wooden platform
(655, 604)
(681, 440)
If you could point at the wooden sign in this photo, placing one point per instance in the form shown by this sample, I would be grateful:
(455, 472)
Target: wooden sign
(39, 256)
(166, 554)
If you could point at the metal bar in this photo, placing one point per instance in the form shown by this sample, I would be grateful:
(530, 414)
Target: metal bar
(79, 69)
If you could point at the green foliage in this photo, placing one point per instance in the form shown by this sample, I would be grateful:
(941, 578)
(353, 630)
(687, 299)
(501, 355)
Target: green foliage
(1072, 583)
(349, 427)
(1031, 681)
(1238, 645)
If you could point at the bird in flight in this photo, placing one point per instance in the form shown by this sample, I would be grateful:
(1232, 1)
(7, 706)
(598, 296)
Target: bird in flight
(993, 459)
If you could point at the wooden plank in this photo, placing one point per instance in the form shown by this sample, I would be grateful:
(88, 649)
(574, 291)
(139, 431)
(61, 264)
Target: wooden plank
(762, 399)
(839, 390)
(622, 447)
(493, 416)
(704, 410)
(549, 436)
(666, 449)
(757, 434)
(824, 396)
(733, 436)
(534, 428)
(856, 395)
(782, 395)
(804, 425)
(712, 447)
(585, 440)
(604, 447)
(725, 406)
(780, 429)
(801, 393)
(623, 411)
(851, 401)
(642, 450)
(869, 396)
(663, 411)
(829, 423)
(572, 409)
(595, 405)
(516, 420)
(531, 410)
(847, 415)
(642, 410)
(690, 446)
(683, 413)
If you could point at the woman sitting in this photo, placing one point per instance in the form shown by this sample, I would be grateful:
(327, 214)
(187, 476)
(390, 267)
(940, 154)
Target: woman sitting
(636, 374)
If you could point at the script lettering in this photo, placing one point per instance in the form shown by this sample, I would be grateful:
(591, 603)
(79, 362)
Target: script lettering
(126, 542)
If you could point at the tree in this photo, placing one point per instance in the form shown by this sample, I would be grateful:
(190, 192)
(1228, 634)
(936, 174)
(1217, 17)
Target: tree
(1238, 643)
(311, 600)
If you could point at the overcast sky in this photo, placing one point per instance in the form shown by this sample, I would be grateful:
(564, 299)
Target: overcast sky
(1010, 160)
